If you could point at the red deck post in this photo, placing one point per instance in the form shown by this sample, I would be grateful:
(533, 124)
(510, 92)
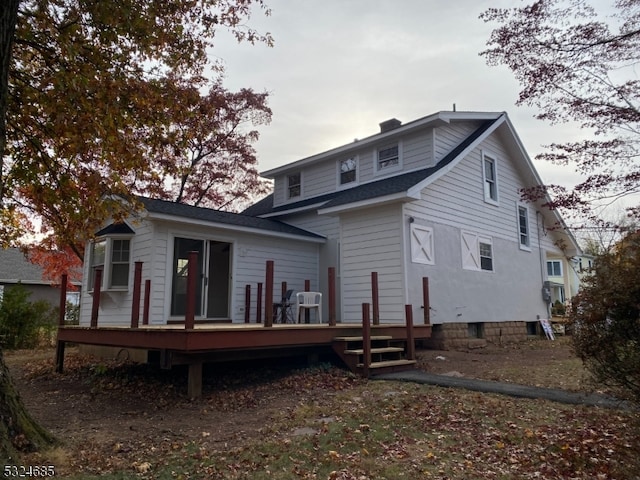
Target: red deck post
(147, 302)
(247, 303)
(268, 295)
(96, 298)
(411, 344)
(332, 296)
(374, 297)
(135, 303)
(366, 340)
(425, 300)
(259, 304)
(192, 273)
(63, 310)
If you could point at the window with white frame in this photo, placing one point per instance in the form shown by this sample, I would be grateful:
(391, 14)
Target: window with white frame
(348, 170)
(490, 179)
(477, 252)
(388, 156)
(113, 257)
(523, 227)
(294, 185)
(422, 245)
(554, 268)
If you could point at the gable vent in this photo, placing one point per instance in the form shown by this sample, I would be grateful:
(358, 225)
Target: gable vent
(389, 125)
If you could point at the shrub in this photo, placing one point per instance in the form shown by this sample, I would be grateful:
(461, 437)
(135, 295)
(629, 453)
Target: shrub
(23, 322)
(606, 319)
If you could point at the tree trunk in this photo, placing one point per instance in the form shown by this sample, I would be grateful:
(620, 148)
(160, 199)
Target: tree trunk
(19, 433)
(8, 21)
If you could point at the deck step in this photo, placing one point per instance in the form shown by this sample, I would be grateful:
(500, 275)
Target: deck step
(389, 363)
(359, 339)
(360, 351)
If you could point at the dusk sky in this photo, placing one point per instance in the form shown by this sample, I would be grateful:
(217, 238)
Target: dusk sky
(340, 67)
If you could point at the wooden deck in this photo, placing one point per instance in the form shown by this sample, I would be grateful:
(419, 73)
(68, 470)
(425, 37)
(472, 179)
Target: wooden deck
(204, 338)
(174, 345)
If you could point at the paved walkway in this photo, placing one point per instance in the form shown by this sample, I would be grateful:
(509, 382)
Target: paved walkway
(511, 389)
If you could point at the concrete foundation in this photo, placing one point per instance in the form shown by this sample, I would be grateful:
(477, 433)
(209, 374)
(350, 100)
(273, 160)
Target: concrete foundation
(452, 336)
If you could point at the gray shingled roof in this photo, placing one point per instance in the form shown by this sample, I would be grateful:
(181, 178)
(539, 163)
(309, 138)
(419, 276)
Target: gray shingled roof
(224, 218)
(380, 188)
(14, 268)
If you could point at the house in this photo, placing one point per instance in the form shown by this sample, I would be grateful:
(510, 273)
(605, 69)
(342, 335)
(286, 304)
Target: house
(438, 197)
(15, 269)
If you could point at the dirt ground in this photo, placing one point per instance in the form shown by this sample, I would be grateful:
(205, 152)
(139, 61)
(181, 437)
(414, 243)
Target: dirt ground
(98, 408)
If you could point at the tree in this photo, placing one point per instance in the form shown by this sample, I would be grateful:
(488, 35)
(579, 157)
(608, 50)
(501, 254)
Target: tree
(606, 318)
(87, 103)
(577, 64)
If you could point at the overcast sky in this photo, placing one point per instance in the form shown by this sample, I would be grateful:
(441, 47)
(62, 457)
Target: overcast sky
(340, 67)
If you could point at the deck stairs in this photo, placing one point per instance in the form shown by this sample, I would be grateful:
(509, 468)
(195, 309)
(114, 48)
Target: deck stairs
(387, 355)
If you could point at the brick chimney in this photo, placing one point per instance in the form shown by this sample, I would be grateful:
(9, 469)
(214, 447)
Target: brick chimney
(388, 125)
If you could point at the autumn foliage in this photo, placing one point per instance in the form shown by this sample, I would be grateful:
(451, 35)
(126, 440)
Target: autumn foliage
(577, 63)
(606, 318)
(121, 98)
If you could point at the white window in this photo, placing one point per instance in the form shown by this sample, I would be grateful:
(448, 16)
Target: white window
(554, 268)
(477, 252)
(347, 170)
(294, 185)
(422, 245)
(490, 179)
(523, 227)
(113, 257)
(388, 157)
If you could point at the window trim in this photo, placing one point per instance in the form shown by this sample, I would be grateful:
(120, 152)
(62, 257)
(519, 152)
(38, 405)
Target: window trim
(391, 168)
(107, 264)
(472, 249)
(527, 245)
(356, 169)
(289, 186)
(488, 198)
(559, 262)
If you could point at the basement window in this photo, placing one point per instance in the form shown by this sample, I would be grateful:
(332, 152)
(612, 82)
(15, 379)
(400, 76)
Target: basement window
(475, 330)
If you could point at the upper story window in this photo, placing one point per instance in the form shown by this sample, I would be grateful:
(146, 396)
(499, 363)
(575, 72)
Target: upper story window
(523, 227)
(294, 185)
(490, 179)
(554, 268)
(388, 157)
(348, 170)
(113, 257)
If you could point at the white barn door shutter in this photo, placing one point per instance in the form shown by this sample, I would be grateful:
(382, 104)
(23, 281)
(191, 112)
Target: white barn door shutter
(470, 251)
(422, 245)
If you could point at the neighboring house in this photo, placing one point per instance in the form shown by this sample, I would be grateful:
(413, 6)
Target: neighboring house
(565, 276)
(16, 268)
(439, 197)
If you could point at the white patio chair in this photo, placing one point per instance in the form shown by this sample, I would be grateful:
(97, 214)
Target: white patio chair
(309, 300)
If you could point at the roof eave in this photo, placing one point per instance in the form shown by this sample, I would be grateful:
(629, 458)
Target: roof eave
(235, 228)
(403, 197)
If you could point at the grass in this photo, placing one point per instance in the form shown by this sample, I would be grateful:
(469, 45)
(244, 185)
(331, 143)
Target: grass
(383, 430)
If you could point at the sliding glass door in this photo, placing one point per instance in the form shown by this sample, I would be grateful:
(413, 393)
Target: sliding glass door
(212, 282)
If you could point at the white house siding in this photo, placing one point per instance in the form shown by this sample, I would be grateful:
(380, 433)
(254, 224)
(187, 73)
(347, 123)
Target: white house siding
(371, 240)
(295, 261)
(451, 135)
(115, 306)
(417, 150)
(455, 203)
(328, 256)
